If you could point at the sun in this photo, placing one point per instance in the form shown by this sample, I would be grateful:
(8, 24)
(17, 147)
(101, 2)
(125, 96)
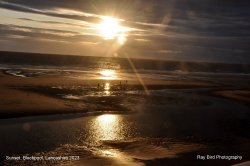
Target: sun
(110, 28)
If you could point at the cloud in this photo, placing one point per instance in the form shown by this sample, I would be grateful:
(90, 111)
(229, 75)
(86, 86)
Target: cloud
(204, 29)
(56, 12)
(38, 33)
(207, 18)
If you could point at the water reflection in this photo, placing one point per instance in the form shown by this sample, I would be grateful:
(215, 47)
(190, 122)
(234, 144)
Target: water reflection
(108, 74)
(107, 86)
(107, 127)
(107, 89)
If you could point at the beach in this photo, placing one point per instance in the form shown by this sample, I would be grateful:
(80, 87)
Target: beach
(115, 120)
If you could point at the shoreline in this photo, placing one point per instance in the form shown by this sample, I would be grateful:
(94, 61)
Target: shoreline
(21, 96)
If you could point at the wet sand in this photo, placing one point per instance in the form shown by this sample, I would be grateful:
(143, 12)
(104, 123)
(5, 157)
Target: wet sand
(22, 96)
(123, 125)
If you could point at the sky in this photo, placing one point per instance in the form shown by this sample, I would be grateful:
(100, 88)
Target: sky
(183, 30)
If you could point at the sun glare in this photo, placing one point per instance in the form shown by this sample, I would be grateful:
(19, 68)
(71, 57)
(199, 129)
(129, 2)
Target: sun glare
(110, 28)
(108, 74)
(107, 127)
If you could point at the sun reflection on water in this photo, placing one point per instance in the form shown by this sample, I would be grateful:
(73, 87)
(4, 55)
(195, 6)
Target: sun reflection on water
(108, 74)
(107, 86)
(107, 127)
(107, 89)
